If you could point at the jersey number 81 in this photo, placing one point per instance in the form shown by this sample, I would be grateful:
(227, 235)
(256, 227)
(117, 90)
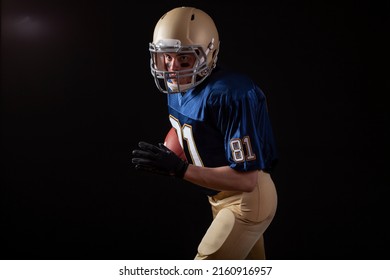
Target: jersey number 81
(241, 148)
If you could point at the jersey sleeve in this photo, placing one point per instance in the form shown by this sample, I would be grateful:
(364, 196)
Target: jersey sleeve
(242, 117)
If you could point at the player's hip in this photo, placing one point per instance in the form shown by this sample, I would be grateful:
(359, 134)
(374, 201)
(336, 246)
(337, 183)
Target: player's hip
(254, 206)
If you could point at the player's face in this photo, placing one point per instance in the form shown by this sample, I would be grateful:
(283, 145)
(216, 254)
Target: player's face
(177, 62)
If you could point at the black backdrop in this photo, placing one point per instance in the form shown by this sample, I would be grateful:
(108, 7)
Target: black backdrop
(77, 95)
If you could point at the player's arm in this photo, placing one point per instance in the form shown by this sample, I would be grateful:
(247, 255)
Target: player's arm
(160, 159)
(222, 178)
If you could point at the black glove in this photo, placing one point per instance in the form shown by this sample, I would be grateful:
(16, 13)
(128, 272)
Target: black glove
(158, 159)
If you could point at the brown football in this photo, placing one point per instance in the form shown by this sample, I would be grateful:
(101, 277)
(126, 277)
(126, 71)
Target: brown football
(172, 142)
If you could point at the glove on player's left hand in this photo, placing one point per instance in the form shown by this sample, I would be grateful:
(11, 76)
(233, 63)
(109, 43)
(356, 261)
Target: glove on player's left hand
(158, 159)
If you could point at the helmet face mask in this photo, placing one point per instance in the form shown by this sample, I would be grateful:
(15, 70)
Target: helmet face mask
(183, 31)
(163, 77)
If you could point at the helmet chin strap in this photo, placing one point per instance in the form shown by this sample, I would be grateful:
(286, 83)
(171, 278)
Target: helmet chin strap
(175, 87)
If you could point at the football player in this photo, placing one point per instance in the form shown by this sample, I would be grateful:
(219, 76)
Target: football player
(222, 122)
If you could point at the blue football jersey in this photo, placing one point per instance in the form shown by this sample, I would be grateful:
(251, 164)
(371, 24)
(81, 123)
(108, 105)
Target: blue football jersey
(224, 122)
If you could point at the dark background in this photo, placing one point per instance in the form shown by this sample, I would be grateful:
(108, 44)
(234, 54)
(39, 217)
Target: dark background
(77, 95)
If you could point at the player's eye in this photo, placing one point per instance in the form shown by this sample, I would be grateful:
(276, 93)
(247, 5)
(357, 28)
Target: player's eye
(183, 58)
(167, 57)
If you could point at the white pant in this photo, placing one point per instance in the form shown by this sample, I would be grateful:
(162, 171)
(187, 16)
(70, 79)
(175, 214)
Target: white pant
(240, 219)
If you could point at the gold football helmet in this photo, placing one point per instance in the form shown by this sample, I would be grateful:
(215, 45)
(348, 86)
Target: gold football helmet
(184, 31)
